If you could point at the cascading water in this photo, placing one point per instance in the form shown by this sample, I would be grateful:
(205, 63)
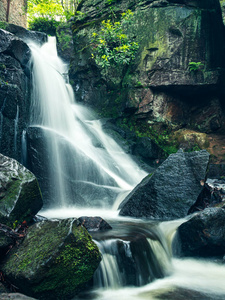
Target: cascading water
(88, 170)
(87, 166)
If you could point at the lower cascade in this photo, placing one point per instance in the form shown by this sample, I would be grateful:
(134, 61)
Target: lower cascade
(86, 173)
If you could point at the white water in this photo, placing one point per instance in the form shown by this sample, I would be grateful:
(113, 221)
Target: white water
(101, 170)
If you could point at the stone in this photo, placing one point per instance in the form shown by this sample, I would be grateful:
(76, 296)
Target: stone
(170, 191)
(94, 223)
(20, 196)
(5, 243)
(204, 234)
(55, 261)
(213, 194)
(27, 35)
(190, 139)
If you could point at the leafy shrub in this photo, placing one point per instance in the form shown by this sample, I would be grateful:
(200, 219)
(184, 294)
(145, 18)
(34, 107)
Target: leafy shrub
(111, 46)
(195, 66)
(46, 25)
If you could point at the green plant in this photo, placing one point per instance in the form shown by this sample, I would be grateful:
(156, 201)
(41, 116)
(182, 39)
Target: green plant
(3, 25)
(195, 66)
(46, 25)
(111, 46)
(64, 39)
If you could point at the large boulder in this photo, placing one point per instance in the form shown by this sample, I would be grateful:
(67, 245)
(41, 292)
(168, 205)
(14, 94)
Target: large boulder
(20, 196)
(204, 234)
(55, 261)
(171, 190)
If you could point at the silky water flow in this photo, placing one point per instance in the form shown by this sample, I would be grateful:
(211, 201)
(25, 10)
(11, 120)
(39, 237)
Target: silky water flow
(89, 175)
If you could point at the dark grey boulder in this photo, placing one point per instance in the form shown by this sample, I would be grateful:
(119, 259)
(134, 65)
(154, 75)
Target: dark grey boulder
(94, 223)
(15, 47)
(5, 243)
(213, 194)
(20, 196)
(204, 234)
(27, 35)
(55, 261)
(171, 190)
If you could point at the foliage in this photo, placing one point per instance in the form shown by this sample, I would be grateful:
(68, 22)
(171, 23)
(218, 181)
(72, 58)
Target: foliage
(47, 9)
(44, 25)
(111, 46)
(195, 66)
(59, 10)
(64, 39)
(3, 25)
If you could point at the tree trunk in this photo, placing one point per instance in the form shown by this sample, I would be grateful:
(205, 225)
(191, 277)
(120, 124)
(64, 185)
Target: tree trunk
(7, 11)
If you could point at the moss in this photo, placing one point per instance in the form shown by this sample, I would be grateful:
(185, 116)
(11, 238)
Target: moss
(57, 257)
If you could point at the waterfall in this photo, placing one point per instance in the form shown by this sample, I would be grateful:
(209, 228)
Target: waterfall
(24, 148)
(80, 167)
(16, 128)
(86, 167)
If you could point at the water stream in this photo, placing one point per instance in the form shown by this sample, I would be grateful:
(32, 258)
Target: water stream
(89, 176)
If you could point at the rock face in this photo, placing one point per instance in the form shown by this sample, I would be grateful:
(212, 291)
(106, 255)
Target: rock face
(15, 88)
(204, 234)
(20, 196)
(158, 89)
(55, 260)
(14, 93)
(171, 190)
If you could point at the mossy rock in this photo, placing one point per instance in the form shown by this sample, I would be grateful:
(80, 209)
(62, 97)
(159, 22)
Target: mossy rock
(191, 140)
(20, 196)
(55, 261)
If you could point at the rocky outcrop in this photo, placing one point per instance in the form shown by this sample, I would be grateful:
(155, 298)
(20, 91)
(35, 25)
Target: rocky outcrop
(55, 261)
(14, 93)
(15, 88)
(27, 35)
(157, 91)
(20, 196)
(203, 235)
(171, 190)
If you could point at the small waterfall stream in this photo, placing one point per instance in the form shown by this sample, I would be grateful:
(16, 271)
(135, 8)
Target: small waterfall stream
(89, 176)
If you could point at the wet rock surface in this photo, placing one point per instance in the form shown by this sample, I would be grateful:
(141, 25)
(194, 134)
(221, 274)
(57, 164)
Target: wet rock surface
(94, 223)
(14, 93)
(204, 234)
(20, 196)
(171, 190)
(213, 194)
